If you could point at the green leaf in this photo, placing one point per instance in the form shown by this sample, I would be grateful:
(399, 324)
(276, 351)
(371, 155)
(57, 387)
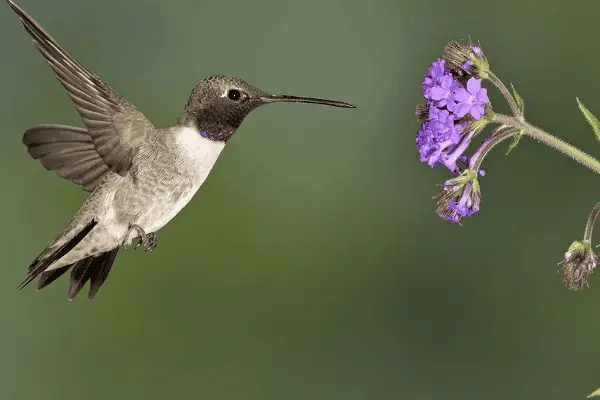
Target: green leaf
(594, 393)
(515, 141)
(593, 121)
(520, 103)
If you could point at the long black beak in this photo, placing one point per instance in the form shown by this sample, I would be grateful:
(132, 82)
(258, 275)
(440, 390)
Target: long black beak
(295, 99)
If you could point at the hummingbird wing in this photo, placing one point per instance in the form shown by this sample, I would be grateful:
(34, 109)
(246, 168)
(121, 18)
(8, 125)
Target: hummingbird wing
(69, 151)
(114, 124)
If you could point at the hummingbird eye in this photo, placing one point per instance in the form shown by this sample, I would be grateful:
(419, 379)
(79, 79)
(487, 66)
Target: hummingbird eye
(234, 94)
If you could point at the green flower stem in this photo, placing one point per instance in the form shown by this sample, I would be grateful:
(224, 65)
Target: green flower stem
(499, 135)
(506, 93)
(546, 138)
(589, 226)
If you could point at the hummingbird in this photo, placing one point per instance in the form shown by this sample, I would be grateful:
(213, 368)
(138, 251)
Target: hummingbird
(139, 176)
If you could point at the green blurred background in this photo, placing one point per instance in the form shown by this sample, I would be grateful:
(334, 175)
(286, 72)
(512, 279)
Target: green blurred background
(311, 265)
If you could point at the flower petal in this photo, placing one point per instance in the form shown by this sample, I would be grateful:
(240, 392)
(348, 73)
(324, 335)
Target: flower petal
(477, 111)
(482, 96)
(437, 93)
(474, 85)
(461, 95)
(462, 109)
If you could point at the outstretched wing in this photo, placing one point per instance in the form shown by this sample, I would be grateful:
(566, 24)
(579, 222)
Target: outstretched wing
(114, 124)
(69, 151)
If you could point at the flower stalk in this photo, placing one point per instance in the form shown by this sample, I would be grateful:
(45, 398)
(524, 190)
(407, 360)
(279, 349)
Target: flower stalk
(550, 140)
(589, 226)
(514, 107)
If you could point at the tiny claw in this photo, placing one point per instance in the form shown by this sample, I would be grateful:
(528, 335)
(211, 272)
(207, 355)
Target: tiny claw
(147, 241)
(150, 242)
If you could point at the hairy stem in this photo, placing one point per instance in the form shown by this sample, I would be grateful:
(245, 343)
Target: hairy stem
(506, 93)
(589, 226)
(554, 142)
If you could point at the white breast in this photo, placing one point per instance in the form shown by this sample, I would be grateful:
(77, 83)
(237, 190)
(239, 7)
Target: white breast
(199, 155)
(196, 148)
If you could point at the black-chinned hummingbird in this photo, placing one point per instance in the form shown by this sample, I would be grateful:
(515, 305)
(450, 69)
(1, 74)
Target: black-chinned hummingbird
(139, 176)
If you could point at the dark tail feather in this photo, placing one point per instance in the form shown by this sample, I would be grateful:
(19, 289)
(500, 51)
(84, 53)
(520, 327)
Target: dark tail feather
(41, 263)
(79, 276)
(47, 277)
(99, 274)
(94, 269)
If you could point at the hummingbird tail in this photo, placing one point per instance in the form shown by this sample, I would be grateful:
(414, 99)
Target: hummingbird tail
(53, 254)
(94, 269)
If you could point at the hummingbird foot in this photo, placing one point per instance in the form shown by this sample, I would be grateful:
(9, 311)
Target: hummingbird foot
(147, 240)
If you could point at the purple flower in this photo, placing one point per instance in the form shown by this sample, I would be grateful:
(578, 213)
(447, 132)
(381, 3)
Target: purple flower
(468, 204)
(441, 140)
(467, 67)
(438, 84)
(471, 99)
(442, 92)
(440, 116)
(434, 140)
(452, 157)
(438, 137)
(426, 143)
(460, 197)
(436, 71)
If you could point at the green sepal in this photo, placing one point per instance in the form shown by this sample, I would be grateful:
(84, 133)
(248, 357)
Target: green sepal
(593, 121)
(580, 246)
(519, 100)
(594, 393)
(515, 141)
(521, 106)
(479, 125)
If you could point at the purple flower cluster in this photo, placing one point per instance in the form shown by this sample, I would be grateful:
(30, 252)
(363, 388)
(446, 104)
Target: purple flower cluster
(453, 114)
(454, 101)
(460, 197)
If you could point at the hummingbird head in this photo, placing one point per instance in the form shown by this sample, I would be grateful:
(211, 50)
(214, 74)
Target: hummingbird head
(218, 104)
